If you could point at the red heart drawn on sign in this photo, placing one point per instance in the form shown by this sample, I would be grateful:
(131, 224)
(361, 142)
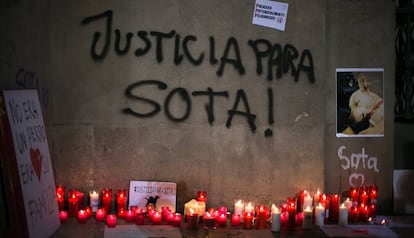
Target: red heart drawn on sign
(36, 159)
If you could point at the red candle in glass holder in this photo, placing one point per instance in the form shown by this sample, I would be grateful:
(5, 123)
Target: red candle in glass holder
(111, 220)
(192, 220)
(283, 219)
(139, 216)
(81, 199)
(177, 219)
(291, 213)
(354, 216)
(88, 211)
(82, 216)
(156, 218)
(221, 219)
(248, 220)
(107, 199)
(73, 203)
(201, 196)
(209, 220)
(235, 219)
(60, 196)
(372, 210)
(121, 212)
(63, 216)
(261, 217)
(334, 208)
(100, 214)
(354, 195)
(373, 194)
(283, 207)
(130, 216)
(121, 198)
(363, 196)
(299, 218)
(363, 212)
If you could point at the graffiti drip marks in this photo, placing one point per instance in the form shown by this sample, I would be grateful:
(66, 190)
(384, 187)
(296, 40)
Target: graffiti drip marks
(279, 60)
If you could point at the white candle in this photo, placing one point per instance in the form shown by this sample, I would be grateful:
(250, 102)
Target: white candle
(319, 215)
(343, 215)
(307, 201)
(316, 198)
(275, 218)
(348, 204)
(249, 207)
(238, 208)
(94, 200)
(307, 218)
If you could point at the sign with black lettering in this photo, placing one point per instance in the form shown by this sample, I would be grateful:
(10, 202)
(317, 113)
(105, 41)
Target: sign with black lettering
(270, 14)
(33, 161)
(160, 194)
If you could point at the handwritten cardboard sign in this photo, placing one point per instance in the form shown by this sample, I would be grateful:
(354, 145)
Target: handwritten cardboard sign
(161, 194)
(270, 14)
(32, 156)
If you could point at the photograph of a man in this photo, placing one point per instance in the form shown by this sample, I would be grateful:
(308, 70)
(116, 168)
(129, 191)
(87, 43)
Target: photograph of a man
(360, 103)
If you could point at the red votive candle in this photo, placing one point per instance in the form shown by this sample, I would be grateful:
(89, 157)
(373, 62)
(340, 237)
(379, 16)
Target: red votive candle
(354, 194)
(248, 220)
(139, 216)
(81, 199)
(261, 217)
(121, 198)
(354, 216)
(334, 208)
(201, 196)
(107, 199)
(373, 194)
(177, 219)
(111, 220)
(156, 218)
(299, 218)
(130, 216)
(209, 221)
(60, 195)
(82, 216)
(121, 212)
(363, 212)
(100, 214)
(221, 219)
(372, 210)
(283, 219)
(235, 219)
(291, 213)
(63, 216)
(363, 196)
(73, 204)
(192, 219)
(88, 211)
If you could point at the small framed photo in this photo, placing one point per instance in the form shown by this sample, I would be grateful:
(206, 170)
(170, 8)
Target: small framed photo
(360, 102)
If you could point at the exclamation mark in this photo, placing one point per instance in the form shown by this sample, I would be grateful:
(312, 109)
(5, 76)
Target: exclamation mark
(268, 132)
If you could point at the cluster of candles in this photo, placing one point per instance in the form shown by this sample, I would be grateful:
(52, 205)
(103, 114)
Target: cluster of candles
(359, 205)
(134, 214)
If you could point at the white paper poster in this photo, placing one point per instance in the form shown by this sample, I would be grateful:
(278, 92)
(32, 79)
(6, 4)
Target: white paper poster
(270, 14)
(33, 161)
(161, 194)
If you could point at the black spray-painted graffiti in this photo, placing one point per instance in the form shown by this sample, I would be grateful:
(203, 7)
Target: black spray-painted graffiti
(272, 58)
(29, 80)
